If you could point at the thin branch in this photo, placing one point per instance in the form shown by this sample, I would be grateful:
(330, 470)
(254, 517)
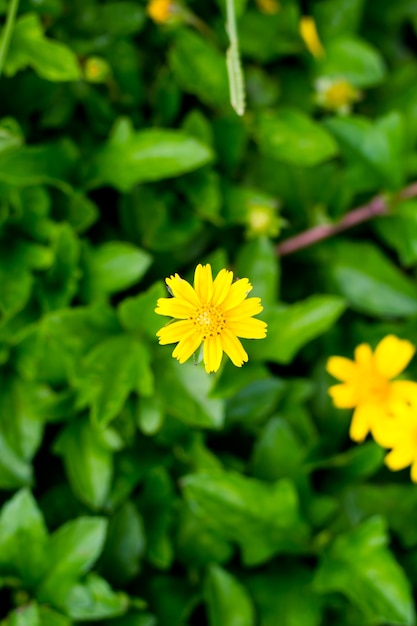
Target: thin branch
(377, 206)
(8, 31)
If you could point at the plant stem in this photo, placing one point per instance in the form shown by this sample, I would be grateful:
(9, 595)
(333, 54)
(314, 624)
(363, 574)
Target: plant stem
(8, 31)
(377, 206)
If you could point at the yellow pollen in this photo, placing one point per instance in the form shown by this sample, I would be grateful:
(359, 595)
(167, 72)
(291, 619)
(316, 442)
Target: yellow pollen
(209, 320)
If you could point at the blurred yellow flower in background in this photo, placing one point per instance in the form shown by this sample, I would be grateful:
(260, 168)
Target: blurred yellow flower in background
(367, 385)
(213, 313)
(310, 36)
(160, 10)
(398, 432)
(336, 94)
(270, 7)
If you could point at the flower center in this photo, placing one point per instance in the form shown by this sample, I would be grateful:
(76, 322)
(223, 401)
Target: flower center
(209, 320)
(374, 388)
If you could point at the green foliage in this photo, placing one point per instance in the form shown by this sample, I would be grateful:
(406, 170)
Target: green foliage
(135, 491)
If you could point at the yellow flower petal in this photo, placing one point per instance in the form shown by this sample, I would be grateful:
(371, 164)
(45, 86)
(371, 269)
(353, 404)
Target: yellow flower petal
(385, 431)
(238, 292)
(392, 355)
(248, 329)
(181, 289)
(341, 368)
(248, 308)
(363, 355)
(414, 472)
(174, 332)
(203, 283)
(404, 391)
(213, 353)
(233, 348)
(363, 418)
(221, 287)
(310, 36)
(344, 396)
(173, 307)
(400, 457)
(187, 346)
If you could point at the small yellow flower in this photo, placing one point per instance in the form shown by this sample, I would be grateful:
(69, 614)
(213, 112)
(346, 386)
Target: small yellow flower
(336, 94)
(310, 36)
(213, 313)
(160, 10)
(269, 7)
(96, 70)
(367, 384)
(398, 432)
(262, 220)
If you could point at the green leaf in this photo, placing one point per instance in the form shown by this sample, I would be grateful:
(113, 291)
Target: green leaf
(185, 392)
(36, 165)
(132, 157)
(290, 328)
(60, 282)
(228, 601)
(94, 600)
(23, 539)
(24, 616)
(125, 545)
(286, 592)
(156, 504)
(263, 519)
(292, 137)
(368, 280)
(336, 18)
(52, 60)
(277, 453)
(200, 68)
(378, 145)
(88, 457)
(359, 565)
(354, 59)
(113, 267)
(72, 550)
(104, 387)
(137, 313)
(399, 231)
(257, 261)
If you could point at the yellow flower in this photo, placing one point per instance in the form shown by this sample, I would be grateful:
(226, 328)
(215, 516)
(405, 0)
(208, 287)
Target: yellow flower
(270, 7)
(160, 10)
(398, 432)
(310, 36)
(213, 312)
(262, 220)
(367, 384)
(336, 94)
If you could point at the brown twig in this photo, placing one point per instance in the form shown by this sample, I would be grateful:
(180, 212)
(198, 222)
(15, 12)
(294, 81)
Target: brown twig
(377, 206)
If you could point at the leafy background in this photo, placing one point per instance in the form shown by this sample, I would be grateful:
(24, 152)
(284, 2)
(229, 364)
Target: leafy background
(138, 492)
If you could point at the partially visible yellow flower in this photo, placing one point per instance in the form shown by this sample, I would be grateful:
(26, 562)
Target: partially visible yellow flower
(160, 10)
(310, 36)
(336, 94)
(398, 432)
(262, 220)
(96, 70)
(367, 384)
(213, 313)
(270, 7)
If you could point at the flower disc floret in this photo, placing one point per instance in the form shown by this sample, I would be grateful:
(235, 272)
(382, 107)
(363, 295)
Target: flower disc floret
(214, 313)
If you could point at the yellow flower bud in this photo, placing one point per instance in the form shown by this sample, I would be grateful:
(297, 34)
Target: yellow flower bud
(310, 36)
(270, 7)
